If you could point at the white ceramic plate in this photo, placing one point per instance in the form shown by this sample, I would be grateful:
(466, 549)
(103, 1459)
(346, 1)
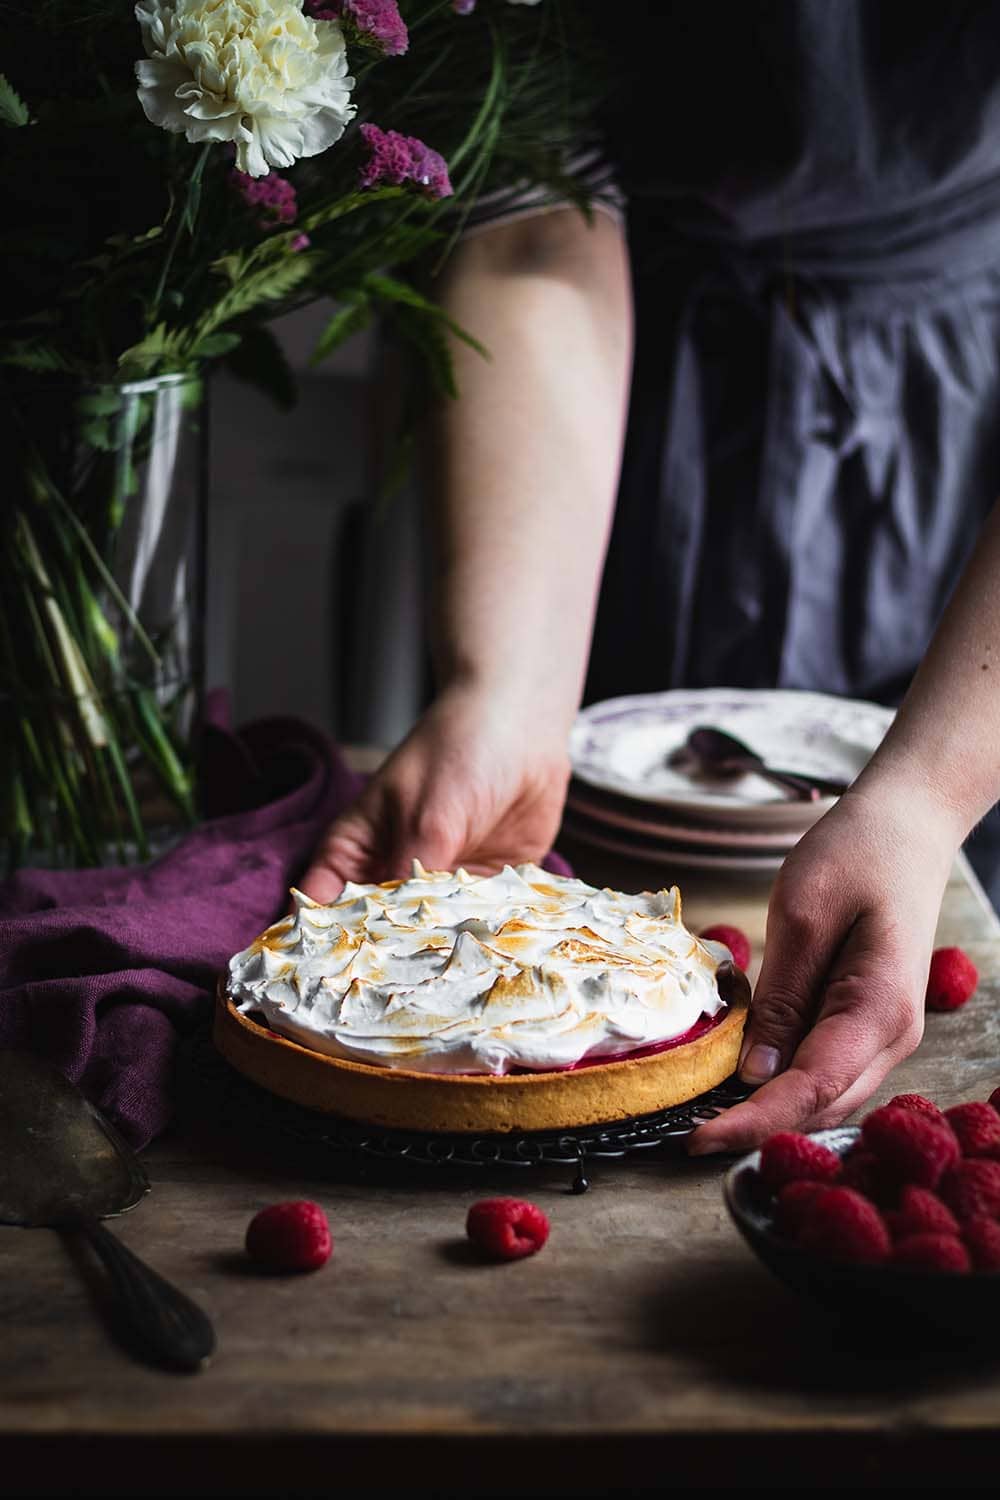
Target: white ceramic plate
(643, 817)
(623, 745)
(658, 852)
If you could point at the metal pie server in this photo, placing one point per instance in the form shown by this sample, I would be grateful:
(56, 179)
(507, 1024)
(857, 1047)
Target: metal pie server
(63, 1166)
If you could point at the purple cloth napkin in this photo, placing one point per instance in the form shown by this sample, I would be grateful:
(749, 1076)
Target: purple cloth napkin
(102, 970)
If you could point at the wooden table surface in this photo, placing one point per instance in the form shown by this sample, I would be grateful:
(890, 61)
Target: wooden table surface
(644, 1347)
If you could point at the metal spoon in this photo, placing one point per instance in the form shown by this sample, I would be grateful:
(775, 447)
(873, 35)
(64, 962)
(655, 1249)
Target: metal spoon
(63, 1166)
(725, 755)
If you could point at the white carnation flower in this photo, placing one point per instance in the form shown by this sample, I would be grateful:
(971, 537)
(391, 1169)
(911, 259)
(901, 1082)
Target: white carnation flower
(255, 72)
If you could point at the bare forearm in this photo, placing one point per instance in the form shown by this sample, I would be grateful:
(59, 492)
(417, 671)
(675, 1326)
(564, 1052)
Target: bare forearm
(529, 454)
(946, 736)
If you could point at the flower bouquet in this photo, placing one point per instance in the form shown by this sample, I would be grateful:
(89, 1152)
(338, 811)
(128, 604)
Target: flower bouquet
(175, 177)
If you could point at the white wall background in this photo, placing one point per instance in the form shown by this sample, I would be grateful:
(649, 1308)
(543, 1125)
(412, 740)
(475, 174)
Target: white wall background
(282, 487)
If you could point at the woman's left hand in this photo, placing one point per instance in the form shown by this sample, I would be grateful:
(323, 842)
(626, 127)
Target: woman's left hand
(850, 930)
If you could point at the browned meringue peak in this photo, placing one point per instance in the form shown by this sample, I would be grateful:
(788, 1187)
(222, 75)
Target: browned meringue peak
(459, 973)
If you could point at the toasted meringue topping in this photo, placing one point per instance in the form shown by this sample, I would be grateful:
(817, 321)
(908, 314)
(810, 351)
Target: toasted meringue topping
(458, 973)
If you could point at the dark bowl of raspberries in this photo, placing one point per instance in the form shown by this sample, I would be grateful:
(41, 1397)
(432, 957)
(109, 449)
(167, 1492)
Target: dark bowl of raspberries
(898, 1218)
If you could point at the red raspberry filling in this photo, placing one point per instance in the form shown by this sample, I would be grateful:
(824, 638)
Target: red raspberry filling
(700, 1027)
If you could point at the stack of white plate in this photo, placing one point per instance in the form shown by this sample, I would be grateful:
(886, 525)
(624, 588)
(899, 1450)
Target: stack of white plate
(626, 797)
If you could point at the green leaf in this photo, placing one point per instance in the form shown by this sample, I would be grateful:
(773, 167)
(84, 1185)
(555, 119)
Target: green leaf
(260, 360)
(96, 412)
(214, 344)
(270, 284)
(161, 345)
(486, 114)
(390, 290)
(102, 630)
(427, 337)
(99, 403)
(230, 266)
(96, 433)
(16, 820)
(46, 492)
(162, 753)
(346, 321)
(13, 110)
(34, 356)
(348, 205)
(192, 204)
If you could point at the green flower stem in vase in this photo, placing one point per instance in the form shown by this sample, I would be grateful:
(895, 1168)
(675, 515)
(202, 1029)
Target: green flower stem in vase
(101, 610)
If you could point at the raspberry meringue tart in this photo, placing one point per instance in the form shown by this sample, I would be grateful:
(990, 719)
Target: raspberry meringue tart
(453, 1002)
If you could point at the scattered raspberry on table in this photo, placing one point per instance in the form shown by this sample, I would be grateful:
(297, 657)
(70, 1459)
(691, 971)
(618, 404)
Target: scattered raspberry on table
(506, 1228)
(289, 1237)
(736, 941)
(952, 979)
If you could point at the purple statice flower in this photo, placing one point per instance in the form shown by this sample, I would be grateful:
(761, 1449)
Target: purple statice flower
(377, 22)
(395, 159)
(300, 242)
(272, 194)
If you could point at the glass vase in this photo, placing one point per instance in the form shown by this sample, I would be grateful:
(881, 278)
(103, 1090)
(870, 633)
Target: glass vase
(101, 617)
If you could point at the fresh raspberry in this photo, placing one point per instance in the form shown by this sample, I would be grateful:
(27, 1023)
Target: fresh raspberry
(982, 1240)
(789, 1157)
(918, 1104)
(920, 1212)
(912, 1146)
(843, 1226)
(794, 1206)
(866, 1174)
(972, 1189)
(289, 1237)
(736, 941)
(952, 979)
(994, 1099)
(507, 1228)
(977, 1126)
(932, 1252)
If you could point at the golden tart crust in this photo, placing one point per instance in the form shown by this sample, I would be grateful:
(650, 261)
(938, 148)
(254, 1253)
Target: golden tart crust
(466, 1103)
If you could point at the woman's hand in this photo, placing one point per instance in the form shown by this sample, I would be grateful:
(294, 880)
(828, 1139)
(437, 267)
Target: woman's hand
(850, 930)
(478, 782)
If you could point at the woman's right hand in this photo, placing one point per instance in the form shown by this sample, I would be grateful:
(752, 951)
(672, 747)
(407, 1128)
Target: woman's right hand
(477, 782)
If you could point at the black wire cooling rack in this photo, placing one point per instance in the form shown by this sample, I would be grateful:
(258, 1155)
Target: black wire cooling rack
(242, 1105)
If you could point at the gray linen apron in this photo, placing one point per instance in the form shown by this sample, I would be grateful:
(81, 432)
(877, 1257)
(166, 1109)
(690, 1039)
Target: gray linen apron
(814, 428)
